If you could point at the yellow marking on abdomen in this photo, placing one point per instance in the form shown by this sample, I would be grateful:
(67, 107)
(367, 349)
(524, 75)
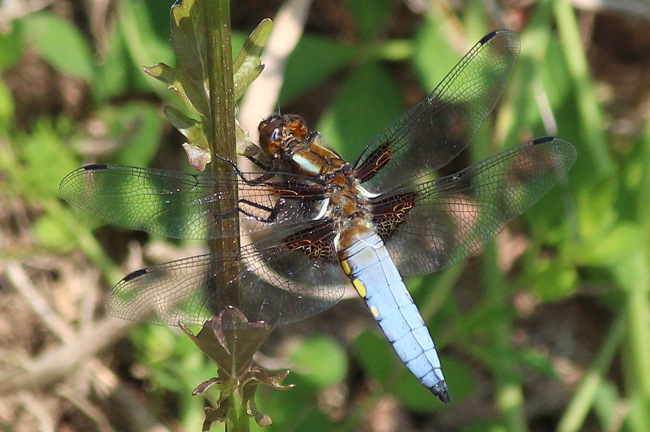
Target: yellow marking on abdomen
(374, 312)
(360, 287)
(346, 268)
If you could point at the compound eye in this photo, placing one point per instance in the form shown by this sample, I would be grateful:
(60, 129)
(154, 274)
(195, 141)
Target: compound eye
(271, 136)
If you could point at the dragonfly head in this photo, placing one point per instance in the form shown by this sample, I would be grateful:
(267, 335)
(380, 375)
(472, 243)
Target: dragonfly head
(279, 133)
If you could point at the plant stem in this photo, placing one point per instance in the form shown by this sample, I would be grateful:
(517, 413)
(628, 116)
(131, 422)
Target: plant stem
(238, 419)
(223, 143)
(222, 136)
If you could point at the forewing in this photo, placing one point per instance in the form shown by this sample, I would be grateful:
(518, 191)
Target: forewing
(438, 128)
(454, 216)
(192, 290)
(184, 205)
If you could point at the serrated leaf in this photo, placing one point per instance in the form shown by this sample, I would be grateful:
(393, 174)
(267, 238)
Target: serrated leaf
(192, 130)
(248, 66)
(230, 340)
(188, 39)
(244, 145)
(197, 157)
(181, 84)
(191, 79)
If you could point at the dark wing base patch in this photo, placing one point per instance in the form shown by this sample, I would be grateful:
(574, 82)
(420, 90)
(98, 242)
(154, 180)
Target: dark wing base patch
(315, 242)
(389, 213)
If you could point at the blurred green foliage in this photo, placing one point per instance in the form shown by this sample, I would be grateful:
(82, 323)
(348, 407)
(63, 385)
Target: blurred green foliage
(595, 233)
(60, 43)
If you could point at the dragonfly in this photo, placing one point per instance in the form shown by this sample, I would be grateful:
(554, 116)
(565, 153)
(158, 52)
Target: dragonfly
(311, 223)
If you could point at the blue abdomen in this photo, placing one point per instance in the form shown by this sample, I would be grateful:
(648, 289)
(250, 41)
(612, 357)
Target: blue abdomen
(374, 275)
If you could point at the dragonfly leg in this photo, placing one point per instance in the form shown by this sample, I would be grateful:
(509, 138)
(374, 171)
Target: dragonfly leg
(259, 164)
(256, 181)
(273, 211)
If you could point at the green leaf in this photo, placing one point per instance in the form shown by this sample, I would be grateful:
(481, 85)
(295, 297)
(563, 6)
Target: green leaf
(433, 58)
(595, 204)
(321, 360)
(555, 280)
(308, 65)
(7, 108)
(590, 112)
(376, 355)
(294, 410)
(143, 138)
(533, 358)
(368, 102)
(192, 78)
(136, 127)
(370, 16)
(607, 399)
(113, 72)
(52, 234)
(484, 426)
(617, 246)
(141, 40)
(39, 174)
(247, 66)
(190, 92)
(459, 377)
(11, 45)
(197, 146)
(61, 44)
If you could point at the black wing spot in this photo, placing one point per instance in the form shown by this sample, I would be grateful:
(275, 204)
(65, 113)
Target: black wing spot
(95, 167)
(543, 140)
(134, 275)
(488, 37)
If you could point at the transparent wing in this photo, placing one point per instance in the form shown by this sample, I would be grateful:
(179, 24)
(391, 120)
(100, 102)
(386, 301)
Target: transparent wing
(192, 206)
(438, 128)
(275, 285)
(454, 216)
